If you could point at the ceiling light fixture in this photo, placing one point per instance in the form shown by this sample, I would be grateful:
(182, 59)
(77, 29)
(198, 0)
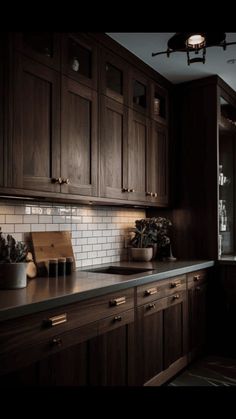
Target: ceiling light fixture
(194, 42)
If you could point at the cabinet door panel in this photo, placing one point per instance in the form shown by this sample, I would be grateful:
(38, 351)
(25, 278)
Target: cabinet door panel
(1, 107)
(198, 317)
(113, 145)
(35, 144)
(41, 46)
(137, 146)
(157, 165)
(79, 138)
(112, 357)
(172, 334)
(67, 368)
(150, 343)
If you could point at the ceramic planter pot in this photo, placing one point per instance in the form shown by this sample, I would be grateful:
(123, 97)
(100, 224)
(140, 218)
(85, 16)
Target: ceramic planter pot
(13, 275)
(142, 254)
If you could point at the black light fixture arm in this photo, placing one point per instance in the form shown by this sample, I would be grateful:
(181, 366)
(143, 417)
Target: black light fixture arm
(179, 43)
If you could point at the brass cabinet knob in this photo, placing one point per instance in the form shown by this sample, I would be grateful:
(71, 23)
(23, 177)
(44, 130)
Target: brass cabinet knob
(196, 277)
(131, 190)
(151, 306)
(154, 194)
(117, 319)
(176, 297)
(125, 190)
(57, 180)
(56, 342)
(148, 193)
(66, 181)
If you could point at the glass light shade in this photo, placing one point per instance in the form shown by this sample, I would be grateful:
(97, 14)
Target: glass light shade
(196, 41)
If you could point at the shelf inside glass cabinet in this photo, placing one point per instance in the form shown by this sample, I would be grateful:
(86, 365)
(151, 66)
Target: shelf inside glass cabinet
(226, 183)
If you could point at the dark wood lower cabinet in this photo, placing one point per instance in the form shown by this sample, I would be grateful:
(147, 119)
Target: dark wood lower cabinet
(147, 344)
(112, 358)
(162, 337)
(197, 300)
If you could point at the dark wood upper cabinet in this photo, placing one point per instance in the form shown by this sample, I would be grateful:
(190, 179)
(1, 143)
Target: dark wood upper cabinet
(114, 77)
(78, 138)
(79, 58)
(113, 148)
(138, 139)
(159, 104)
(34, 142)
(80, 119)
(43, 47)
(2, 43)
(158, 165)
(139, 92)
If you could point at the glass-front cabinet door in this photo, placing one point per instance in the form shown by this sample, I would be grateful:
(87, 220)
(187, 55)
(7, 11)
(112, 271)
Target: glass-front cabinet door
(79, 58)
(226, 179)
(159, 104)
(114, 77)
(43, 47)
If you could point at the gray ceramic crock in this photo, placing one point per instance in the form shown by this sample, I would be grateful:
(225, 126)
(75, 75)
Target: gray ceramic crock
(13, 275)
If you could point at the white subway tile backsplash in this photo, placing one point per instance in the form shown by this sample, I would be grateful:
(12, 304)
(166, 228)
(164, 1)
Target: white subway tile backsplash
(52, 227)
(7, 228)
(38, 227)
(14, 219)
(32, 219)
(97, 233)
(22, 228)
(2, 219)
(45, 219)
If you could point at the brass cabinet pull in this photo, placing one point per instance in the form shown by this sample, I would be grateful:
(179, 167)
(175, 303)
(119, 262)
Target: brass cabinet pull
(125, 190)
(150, 291)
(117, 301)
(176, 297)
(55, 320)
(148, 193)
(56, 342)
(131, 190)
(57, 180)
(175, 284)
(154, 195)
(66, 181)
(196, 277)
(151, 306)
(117, 319)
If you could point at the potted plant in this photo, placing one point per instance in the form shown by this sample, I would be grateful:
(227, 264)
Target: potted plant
(13, 263)
(141, 249)
(151, 233)
(158, 227)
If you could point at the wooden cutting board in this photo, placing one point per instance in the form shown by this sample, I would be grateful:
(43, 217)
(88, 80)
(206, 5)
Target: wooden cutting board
(52, 244)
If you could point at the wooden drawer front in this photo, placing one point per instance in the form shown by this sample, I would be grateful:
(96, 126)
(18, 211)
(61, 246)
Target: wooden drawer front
(115, 321)
(197, 278)
(159, 289)
(15, 359)
(34, 328)
(160, 304)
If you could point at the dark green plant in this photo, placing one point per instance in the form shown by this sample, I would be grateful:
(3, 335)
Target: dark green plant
(12, 251)
(151, 230)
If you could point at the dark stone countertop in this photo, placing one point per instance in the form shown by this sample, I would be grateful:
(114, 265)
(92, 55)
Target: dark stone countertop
(46, 293)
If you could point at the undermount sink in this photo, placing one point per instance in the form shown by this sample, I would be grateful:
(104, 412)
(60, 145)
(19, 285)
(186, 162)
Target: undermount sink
(119, 270)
